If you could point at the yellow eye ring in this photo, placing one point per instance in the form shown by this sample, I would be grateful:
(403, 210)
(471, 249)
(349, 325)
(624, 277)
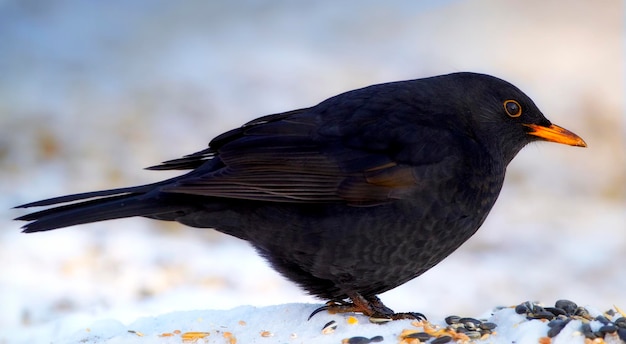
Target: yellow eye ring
(512, 108)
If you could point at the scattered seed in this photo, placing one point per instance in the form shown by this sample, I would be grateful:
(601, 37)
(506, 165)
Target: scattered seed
(452, 319)
(545, 340)
(422, 336)
(555, 327)
(231, 338)
(293, 336)
(242, 323)
(473, 334)
(587, 331)
(441, 340)
(193, 336)
(522, 308)
(330, 327)
(622, 334)
(461, 330)
(602, 319)
(620, 322)
(568, 306)
(136, 333)
(356, 340)
(376, 339)
(470, 320)
(607, 329)
(488, 326)
(379, 320)
(266, 334)
(352, 320)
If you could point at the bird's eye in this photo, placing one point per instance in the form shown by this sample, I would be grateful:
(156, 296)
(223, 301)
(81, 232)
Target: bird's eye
(512, 108)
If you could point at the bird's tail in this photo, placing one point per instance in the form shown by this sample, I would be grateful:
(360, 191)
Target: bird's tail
(95, 206)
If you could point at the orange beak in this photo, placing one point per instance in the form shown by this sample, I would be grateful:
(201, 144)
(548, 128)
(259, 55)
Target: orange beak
(554, 133)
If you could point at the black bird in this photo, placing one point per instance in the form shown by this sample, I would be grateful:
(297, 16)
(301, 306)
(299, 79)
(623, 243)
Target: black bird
(351, 197)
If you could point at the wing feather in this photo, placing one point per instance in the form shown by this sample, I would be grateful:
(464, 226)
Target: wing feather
(304, 156)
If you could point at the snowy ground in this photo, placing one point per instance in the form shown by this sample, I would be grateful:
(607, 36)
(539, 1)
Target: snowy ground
(91, 92)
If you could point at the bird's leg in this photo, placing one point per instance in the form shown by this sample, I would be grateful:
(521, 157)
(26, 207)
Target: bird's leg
(370, 306)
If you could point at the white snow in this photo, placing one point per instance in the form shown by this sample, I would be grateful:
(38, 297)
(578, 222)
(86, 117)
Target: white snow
(91, 92)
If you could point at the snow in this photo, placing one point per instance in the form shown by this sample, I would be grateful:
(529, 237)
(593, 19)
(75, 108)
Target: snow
(91, 92)
(288, 323)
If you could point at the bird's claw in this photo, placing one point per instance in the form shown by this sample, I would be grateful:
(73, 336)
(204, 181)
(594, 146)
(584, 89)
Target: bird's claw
(335, 307)
(378, 313)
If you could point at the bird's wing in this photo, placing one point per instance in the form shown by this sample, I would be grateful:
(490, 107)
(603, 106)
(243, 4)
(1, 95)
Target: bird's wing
(297, 157)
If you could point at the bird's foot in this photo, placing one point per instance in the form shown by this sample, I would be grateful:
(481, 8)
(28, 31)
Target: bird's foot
(370, 306)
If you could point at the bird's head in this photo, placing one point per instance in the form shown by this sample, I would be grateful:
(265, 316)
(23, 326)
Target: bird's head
(503, 118)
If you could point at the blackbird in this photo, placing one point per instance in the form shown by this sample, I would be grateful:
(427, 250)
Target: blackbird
(351, 197)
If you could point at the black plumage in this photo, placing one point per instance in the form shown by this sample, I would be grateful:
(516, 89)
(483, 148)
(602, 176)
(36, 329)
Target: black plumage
(351, 197)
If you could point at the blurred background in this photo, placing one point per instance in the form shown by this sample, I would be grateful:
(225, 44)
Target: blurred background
(91, 92)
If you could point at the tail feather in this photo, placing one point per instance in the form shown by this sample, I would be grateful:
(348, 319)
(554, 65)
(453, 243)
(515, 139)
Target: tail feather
(86, 195)
(107, 205)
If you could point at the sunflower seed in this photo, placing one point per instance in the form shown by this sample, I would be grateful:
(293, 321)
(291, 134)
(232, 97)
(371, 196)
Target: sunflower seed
(441, 340)
(357, 340)
(452, 319)
(488, 326)
(330, 327)
(422, 336)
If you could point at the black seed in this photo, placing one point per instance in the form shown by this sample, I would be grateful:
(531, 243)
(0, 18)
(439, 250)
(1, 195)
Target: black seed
(521, 309)
(555, 327)
(461, 330)
(622, 333)
(556, 311)
(568, 306)
(358, 340)
(620, 322)
(377, 339)
(602, 319)
(441, 340)
(422, 336)
(453, 319)
(607, 329)
(488, 326)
